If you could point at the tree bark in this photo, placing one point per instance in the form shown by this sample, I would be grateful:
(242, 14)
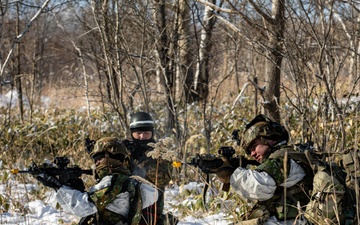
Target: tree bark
(201, 80)
(167, 74)
(276, 27)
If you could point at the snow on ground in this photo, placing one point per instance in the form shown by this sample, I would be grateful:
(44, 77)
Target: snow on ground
(199, 217)
(15, 196)
(45, 212)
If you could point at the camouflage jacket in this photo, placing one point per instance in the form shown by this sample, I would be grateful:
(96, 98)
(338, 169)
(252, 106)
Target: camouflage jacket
(275, 176)
(157, 171)
(116, 199)
(280, 166)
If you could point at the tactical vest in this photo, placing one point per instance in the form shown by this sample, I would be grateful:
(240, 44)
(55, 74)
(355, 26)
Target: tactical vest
(107, 196)
(285, 201)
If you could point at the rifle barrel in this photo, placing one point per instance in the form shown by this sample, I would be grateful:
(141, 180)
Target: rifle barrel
(88, 172)
(16, 171)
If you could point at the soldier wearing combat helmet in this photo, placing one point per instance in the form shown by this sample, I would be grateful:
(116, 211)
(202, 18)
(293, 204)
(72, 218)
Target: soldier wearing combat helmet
(110, 156)
(157, 171)
(266, 141)
(116, 198)
(263, 130)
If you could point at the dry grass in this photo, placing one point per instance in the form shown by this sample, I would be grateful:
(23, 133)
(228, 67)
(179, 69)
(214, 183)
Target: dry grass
(60, 131)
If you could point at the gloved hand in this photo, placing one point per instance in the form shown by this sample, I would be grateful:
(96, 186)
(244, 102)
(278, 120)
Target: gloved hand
(48, 180)
(209, 163)
(224, 172)
(223, 176)
(77, 184)
(217, 165)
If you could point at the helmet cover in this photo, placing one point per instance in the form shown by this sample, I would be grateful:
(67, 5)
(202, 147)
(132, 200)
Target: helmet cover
(263, 127)
(110, 145)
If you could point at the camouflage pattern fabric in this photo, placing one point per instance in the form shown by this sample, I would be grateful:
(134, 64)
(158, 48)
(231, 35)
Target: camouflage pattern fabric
(118, 168)
(259, 129)
(275, 168)
(105, 196)
(278, 167)
(110, 166)
(158, 172)
(111, 145)
(263, 127)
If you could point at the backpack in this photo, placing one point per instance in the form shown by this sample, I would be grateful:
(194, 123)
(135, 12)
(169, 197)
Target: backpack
(332, 200)
(350, 162)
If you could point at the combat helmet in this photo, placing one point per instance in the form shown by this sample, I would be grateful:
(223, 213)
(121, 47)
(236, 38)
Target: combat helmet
(265, 128)
(115, 153)
(141, 121)
(112, 146)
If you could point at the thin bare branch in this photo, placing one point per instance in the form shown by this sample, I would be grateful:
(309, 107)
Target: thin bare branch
(215, 7)
(21, 35)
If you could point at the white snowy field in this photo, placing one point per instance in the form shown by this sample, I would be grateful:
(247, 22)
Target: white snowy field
(15, 196)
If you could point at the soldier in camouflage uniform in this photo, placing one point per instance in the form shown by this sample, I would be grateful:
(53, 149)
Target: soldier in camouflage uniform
(280, 183)
(116, 199)
(157, 171)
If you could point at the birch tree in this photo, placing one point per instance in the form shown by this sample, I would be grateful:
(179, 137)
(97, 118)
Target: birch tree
(201, 79)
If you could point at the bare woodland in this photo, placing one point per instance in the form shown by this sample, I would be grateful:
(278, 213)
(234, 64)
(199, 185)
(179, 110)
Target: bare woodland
(284, 56)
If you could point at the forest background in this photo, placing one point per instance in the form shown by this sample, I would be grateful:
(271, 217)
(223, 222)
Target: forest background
(201, 68)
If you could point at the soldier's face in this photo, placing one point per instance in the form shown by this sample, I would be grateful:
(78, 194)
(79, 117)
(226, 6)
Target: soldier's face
(142, 135)
(259, 150)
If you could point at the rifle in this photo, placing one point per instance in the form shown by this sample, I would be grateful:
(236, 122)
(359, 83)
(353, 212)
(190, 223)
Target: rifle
(225, 159)
(66, 175)
(211, 163)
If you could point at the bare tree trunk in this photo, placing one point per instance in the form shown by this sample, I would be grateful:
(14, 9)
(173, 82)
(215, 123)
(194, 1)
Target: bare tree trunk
(186, 69)
(18, 74)
(201, 80)
(106, 16)
(100, 14)
(85, 75)
(274, 29)
(3, 11)
(86, 84)
(167, 74)
(275, 57)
